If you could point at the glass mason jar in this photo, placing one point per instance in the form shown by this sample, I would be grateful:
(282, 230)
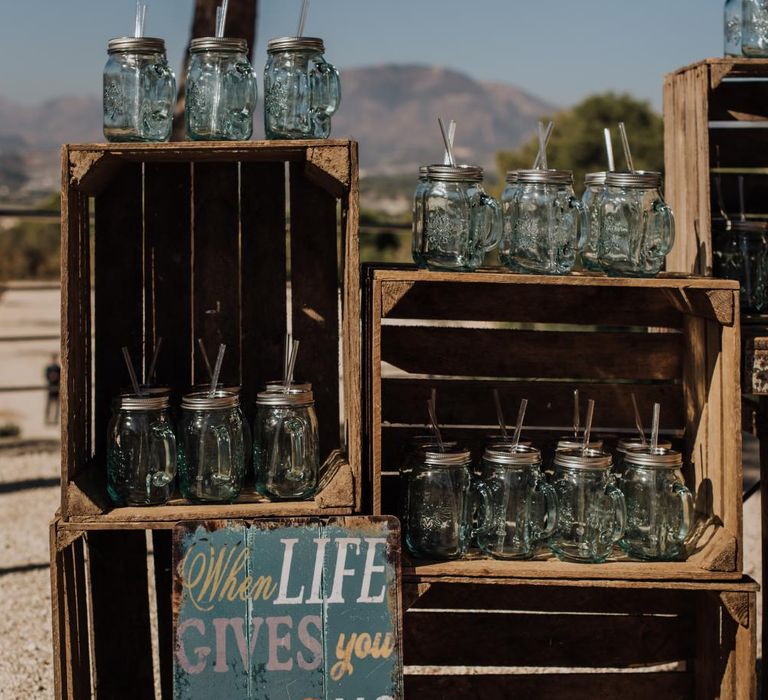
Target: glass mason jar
(211, 447)
(439, 498)
(630, 445)
(460, 222)
(301, 89)
(221, 90)
(417, 211)
(569, 442)
(637, 229)
(543, 223)
(139, 91)
(754, 28)
(523, 504)
(592, 512)
(286, 455)
(141, 451)
(732, 27)
(594, 185)
(740, 252)
(659, 505)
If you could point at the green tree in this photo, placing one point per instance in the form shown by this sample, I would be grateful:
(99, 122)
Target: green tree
(577, 140)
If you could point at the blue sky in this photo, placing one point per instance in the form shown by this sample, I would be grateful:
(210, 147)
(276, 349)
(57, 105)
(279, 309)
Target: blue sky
(559, 50)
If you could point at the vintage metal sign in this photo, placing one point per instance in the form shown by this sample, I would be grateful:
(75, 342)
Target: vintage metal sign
(293, 609)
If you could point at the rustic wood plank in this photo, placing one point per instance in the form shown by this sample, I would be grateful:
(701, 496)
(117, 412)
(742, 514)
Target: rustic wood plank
(58, 616)
(314, 298)
(216, 282)
(118, 572)
(508, 353)
(161, 554)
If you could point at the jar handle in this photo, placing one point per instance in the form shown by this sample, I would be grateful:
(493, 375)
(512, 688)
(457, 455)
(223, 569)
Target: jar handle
(485, 518)
(329, 82)
(164, 435)
(686, 505)
(582, 222)
(550, 499)
(492, 221)
(620, 510)
(664, 211)
(223, 446)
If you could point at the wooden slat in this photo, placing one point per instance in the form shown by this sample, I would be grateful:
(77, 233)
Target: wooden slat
(262, 201)
(505, 353)
(120, 615)
(314, 298)
(168, 272)
(490, 639)
(58, 616)
(161, 552)
(573, 686)
(216, 269)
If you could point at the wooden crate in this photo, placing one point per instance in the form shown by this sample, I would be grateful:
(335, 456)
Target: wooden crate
(228, 242)
(526, 639)
(715, 126)
(675, 341)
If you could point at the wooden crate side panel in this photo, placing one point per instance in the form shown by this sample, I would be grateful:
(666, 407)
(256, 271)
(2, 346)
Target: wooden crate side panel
(162, 558)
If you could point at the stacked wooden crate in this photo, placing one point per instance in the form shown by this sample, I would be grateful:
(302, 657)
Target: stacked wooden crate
(675, 341)
(233, 244)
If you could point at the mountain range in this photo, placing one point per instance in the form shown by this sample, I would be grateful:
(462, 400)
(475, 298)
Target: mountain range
(391, 110)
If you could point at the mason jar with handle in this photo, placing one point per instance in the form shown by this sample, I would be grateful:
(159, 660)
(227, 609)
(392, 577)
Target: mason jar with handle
(637, 228)
(659, 505)
(461, 223)
(543, 224)
(302, 91)
(754, 28)
(417, 217)
(524, 505)
(592, 512)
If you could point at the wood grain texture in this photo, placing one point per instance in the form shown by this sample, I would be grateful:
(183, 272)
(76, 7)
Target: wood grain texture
(161, 556)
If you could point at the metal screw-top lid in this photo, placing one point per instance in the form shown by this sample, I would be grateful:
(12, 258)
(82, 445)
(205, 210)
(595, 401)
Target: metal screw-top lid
(507, 454)
(644, 179)
(595, 179)
(747, 227)
(223, 44)
(545, 177)
(661, 457)
(572, 443)
(423, 171)
(455, 173)
(626, 444)
(275, 395)
(511, 177)
(203, 401)
(583, 459)
(450, 457)
(295, 43)
(136, 402)
(426, 441)
(136, 44)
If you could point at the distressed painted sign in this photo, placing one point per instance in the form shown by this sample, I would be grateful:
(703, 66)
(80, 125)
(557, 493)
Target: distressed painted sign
(293, 609)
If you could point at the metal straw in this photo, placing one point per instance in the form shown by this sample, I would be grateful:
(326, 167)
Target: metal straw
(588, 425)
(221, 18)
(742, 213)
(655, 427)
(302, 17)
(217, 370)
(500, 415)
(205, 357)
(609, 149)
(131, 372)
(153, 364)
(519, 424)
(721, 202)
(288, 379)
(638, 420)
(542, 148)
(451, 138)
(435, 427)
(447, 143)
(141, 16)
(625, 146)
(550, 128)
(576, 413)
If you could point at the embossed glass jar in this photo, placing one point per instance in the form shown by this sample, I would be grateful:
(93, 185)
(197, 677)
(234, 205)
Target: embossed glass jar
(211, 447)
(659, 505)
(139, 91)
(221, 90)
(460, 223)
(637, 229)
(439, 498)
(302, 91)
(740, 252)
(543, 223)
(141, 451)
(732, 22)
(594, 184)
(592, 512)
(754, 28)
(417, 211)
(286, 455)
(523, 504)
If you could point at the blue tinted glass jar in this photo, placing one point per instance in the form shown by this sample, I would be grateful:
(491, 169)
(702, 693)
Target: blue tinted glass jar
(754, 28)
(221, 90)
(460, 222)
(141, 451)
(637, 229)
(740, 252)
(302, 91)
(732, 27)
(543, 223)
(139, 91)
(594, 184)
(211, 447)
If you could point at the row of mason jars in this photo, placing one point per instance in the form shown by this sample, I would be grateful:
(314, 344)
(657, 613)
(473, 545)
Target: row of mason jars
(210, 446)
(510, 509)
(301, 90)
(746, 28)
(621, 226)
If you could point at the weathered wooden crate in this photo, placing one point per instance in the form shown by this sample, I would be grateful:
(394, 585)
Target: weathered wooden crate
(675, 341)
(527, 639)
(715, 126)
(231, 243)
